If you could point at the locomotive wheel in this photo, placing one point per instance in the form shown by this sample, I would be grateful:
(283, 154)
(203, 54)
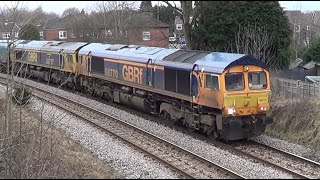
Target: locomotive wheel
(105, 96)
(165, 115)
(212, 135)
(83, 89)
(190, 128)
(74, 87)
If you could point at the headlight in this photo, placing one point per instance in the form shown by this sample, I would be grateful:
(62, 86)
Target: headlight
(231, 111)
(263, 108)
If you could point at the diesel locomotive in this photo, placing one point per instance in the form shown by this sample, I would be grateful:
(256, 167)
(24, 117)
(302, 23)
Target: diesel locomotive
(224, 95)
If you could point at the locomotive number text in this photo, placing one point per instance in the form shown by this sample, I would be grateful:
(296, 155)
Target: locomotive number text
(113, 73)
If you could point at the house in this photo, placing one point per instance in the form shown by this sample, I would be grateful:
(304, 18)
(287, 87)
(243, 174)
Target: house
(74, 27)
(42, 24)
(317, 66)
(9, 30)
(145, 30)
(299, 69)
(58, 30)
(315, 69)
(112, 26)
(121, 27)
(309, 66)
(133, 27)
(305, 26)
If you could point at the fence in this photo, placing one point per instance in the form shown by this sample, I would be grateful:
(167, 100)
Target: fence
(290, 88)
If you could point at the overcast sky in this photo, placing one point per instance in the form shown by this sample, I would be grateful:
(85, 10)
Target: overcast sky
(59, 6)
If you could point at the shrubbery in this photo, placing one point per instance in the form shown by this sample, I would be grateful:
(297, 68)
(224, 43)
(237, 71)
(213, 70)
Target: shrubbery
(21, 95)
(313, 52)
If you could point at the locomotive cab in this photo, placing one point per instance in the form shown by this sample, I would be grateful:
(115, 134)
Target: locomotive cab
(246, 92)
(246, 101)
(238, 91)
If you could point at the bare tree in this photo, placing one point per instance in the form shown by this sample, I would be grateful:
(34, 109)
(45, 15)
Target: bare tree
(189, 12)
(13, 150)
(7, 138)
(256, 41)
(29, 148)
(114, 14)
(69, 11)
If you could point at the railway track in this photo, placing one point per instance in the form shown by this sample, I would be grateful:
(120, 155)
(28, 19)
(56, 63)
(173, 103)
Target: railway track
(182, 161)
(260, 155)
(289, 168)
(295, 163)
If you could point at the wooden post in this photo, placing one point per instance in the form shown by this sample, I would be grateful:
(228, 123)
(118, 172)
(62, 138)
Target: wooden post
(303, 91)
(298, 89)
(309, 91)
(291, 90)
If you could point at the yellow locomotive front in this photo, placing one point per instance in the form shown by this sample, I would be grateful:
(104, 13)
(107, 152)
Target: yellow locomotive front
(246, 91)
(235, 89)
(246, 101)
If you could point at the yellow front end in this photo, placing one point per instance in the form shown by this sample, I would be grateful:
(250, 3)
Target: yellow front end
(246, 91)
(241, 104)
(246, 101)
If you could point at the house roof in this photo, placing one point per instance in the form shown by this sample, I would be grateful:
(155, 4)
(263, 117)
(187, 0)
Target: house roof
(132, 19)
(314, 79)
(60, 23)
(45, 22)
(145, 20)
(64, 22)
(295, 63)
(9, 26)
(309, 65)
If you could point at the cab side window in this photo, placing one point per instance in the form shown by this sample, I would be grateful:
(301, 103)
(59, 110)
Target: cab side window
(212, 82)
(215, 82)
(80, 59)
(70, 59)
(61, 59)
(18, 55)
(208, 81)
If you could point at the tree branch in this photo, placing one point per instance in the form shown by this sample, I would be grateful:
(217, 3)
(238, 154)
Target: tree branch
(175, 8)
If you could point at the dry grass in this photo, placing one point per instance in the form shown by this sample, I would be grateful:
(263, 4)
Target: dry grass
(296, 121)
(53, 155)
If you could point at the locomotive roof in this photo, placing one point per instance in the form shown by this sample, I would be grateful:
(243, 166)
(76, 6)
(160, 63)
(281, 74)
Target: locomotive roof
(36, 45)
(217, 62)
(126, 52)
(55, 46)
(66, 47)
(211, 62)
(3, 44)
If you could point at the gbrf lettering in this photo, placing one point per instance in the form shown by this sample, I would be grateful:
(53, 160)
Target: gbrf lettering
(132, 74)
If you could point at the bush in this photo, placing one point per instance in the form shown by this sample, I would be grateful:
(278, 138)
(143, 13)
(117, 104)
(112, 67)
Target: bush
(21, 95)
(296, 121)
(313, 52)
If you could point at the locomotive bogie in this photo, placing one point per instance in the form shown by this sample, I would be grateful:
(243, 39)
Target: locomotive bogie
(134, 101)
(234, 128)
